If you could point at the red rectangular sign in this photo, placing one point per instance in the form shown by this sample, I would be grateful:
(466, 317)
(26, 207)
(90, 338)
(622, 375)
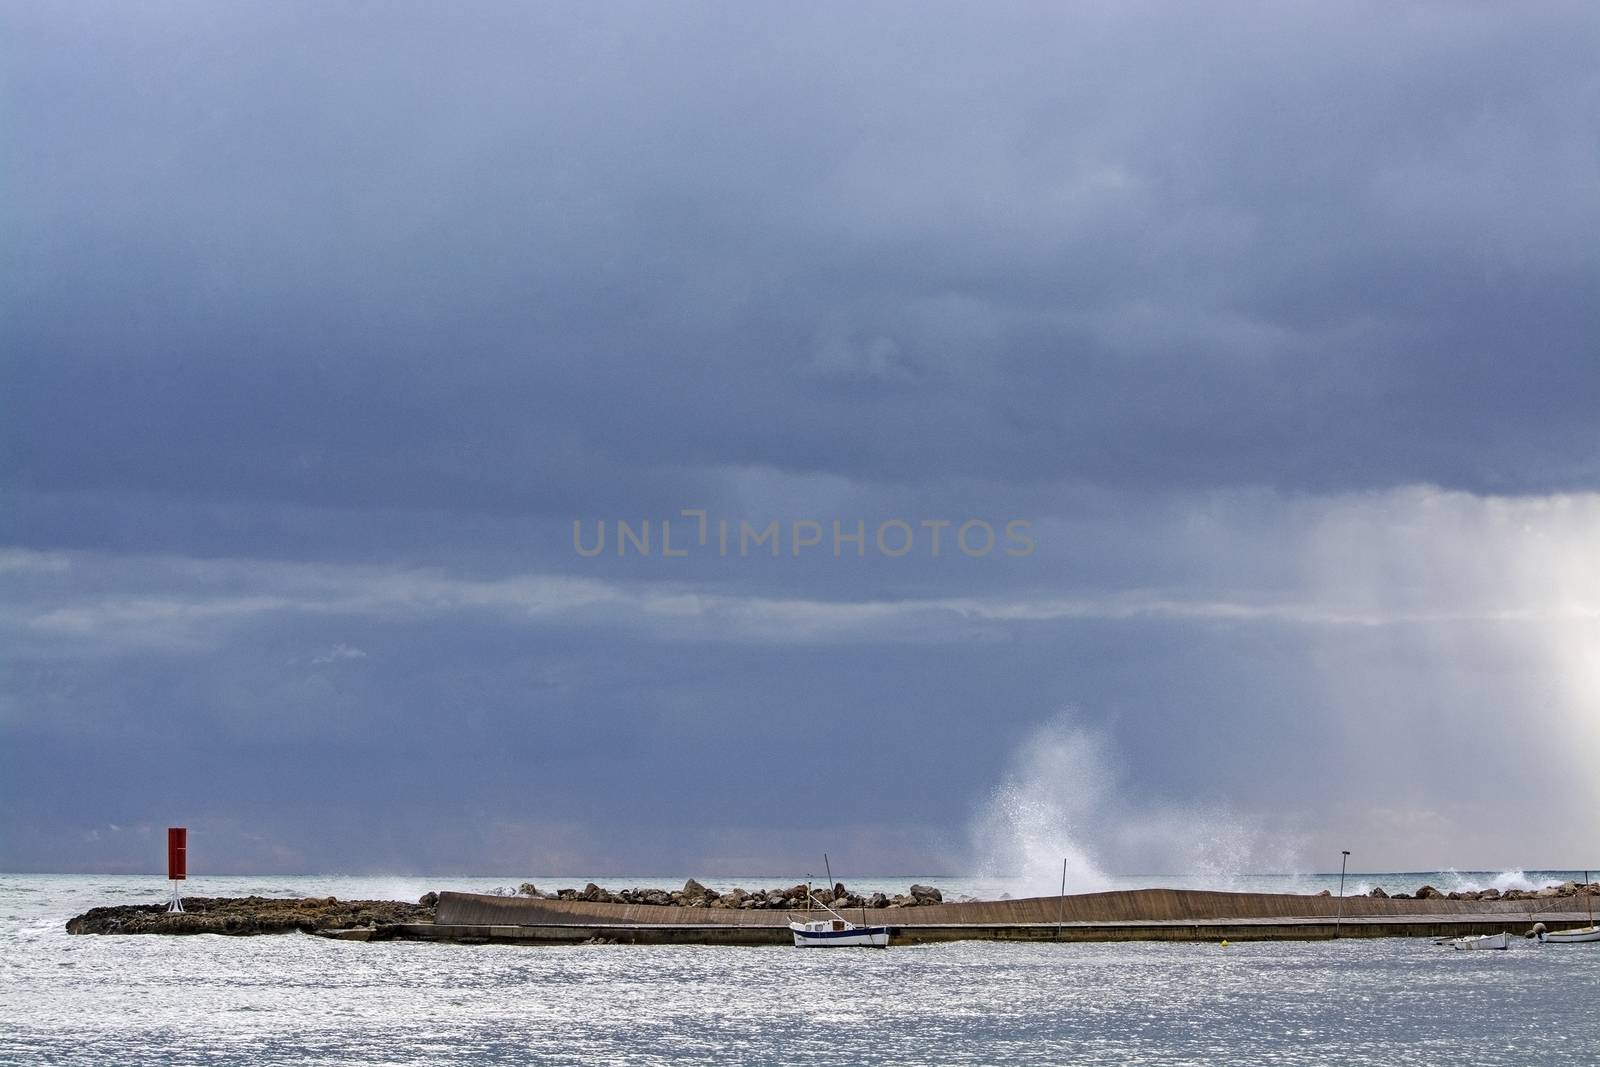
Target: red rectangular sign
(177, 853)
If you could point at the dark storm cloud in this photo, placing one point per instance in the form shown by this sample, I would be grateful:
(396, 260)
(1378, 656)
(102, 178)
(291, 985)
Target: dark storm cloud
(377, 256)
(318, 326)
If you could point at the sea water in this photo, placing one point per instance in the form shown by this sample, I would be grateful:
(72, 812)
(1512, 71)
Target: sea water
(294, 998)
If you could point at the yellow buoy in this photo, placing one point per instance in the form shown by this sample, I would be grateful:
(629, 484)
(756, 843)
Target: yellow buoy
(1224, 942)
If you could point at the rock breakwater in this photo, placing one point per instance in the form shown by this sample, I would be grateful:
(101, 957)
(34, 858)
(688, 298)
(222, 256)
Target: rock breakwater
(695, 895)
(250, 915)
(1549, 892)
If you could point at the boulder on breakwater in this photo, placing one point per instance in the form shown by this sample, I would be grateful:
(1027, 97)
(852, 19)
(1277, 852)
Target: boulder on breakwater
(695, 895)
(251, 915)
(1428, 892)
(1549, 892)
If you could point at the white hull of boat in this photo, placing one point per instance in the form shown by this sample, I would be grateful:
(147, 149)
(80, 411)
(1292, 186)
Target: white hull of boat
(1497, 941)
(1572, 937)
(823, 935)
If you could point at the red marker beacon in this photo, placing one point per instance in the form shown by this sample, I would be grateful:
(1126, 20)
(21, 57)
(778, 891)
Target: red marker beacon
(177, 863)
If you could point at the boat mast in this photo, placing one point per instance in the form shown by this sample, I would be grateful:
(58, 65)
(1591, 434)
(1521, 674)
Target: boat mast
(829, 868)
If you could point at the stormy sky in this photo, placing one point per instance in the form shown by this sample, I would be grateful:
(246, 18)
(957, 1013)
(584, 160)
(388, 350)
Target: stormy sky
(1273, 326)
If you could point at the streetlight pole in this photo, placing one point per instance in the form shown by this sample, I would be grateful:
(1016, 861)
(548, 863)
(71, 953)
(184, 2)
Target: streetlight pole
(1339, 919)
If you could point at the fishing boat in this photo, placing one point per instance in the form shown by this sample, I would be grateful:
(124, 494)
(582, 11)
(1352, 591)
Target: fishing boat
(835, 931)
(838, 932)
(1572, 937)
(1501, 940)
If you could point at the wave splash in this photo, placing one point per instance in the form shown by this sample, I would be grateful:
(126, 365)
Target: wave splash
(1043, 812)
(1062, 799)
(1512, 879)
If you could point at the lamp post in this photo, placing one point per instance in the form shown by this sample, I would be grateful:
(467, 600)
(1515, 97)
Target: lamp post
(1339, 919)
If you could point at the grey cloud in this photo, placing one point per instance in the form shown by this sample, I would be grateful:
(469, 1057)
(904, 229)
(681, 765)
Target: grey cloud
(490, 264)
(319, 326)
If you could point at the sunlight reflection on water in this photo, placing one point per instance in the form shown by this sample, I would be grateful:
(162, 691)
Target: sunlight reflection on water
(297, 999)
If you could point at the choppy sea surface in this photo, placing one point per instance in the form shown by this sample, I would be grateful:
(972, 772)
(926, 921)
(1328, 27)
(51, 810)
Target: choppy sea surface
(299, 999)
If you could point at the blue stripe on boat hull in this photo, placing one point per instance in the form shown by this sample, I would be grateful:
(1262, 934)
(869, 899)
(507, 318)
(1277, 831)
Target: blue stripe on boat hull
(860, 931)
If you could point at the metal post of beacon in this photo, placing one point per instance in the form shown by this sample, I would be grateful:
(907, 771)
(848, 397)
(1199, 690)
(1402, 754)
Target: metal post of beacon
(177, 864)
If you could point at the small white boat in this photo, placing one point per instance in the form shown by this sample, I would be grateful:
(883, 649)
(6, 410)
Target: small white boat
(1573, 937)
(838, 933)
(1501, 940)
(835, 931)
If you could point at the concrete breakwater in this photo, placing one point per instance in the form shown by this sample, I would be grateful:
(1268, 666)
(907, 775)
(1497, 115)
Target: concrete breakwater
(1134, 915)
(1121, 906)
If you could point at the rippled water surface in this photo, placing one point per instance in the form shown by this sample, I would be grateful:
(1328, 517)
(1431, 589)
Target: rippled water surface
(296, 999)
